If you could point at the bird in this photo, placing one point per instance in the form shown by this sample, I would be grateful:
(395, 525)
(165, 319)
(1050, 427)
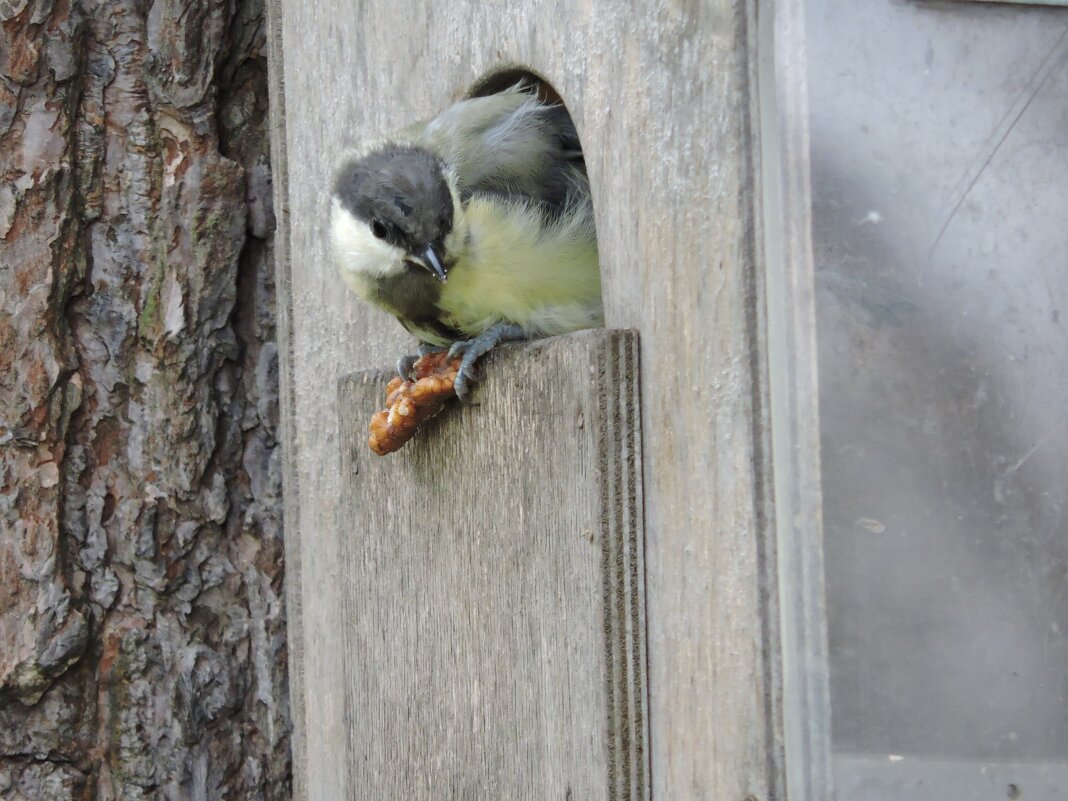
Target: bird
(473, 228)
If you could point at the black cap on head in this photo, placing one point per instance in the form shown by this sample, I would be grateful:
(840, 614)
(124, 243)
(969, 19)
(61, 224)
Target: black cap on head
(401, 192)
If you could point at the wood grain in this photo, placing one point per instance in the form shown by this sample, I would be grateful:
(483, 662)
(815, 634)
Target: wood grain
(493, 613)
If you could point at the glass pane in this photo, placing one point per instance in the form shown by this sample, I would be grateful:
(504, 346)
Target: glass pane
(939, 136)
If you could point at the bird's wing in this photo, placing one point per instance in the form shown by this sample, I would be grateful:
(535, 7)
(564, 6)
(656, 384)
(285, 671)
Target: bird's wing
(509, 143)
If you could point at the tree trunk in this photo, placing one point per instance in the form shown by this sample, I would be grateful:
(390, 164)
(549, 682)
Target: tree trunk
(142, 631)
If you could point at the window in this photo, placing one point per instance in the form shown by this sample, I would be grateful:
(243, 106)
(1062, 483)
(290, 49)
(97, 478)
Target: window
(939, 208)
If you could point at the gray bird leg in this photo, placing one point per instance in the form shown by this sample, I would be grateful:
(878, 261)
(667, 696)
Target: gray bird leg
(406, 363)
(473, 349)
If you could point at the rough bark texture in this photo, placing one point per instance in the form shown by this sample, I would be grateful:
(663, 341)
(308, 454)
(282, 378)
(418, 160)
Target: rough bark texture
(142, 650)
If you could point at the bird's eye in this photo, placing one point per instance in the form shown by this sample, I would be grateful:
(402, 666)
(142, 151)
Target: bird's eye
(378, 228)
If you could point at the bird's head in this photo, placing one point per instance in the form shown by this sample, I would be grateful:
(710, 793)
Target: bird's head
(395, 210)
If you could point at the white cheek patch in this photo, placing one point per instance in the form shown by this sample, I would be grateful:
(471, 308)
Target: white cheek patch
(358, 252)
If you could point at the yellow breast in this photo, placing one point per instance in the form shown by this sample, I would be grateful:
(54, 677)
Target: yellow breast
(515, 269)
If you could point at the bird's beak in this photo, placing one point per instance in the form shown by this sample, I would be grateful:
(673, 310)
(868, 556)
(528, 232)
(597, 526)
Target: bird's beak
(433, 263)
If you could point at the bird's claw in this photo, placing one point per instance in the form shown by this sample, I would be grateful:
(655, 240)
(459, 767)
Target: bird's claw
(466, 375)
(405, 364)
(471, 350)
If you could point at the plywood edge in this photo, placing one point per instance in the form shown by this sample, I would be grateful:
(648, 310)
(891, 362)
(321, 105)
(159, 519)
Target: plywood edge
(623, 555)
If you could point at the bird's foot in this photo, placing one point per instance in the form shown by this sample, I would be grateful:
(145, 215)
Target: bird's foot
(473, 349)
(405, 364)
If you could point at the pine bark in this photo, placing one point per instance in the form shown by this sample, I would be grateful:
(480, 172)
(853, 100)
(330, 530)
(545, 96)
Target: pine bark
(142, 629)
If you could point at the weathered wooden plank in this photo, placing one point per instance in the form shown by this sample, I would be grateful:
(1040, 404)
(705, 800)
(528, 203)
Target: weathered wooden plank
(493, 613)
(288, 422)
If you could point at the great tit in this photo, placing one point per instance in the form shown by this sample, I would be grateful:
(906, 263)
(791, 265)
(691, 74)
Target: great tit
(473, 228)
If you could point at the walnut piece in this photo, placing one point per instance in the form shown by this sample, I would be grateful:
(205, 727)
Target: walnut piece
(410, 403)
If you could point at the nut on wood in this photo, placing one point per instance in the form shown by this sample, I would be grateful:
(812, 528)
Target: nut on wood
(410, 403)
